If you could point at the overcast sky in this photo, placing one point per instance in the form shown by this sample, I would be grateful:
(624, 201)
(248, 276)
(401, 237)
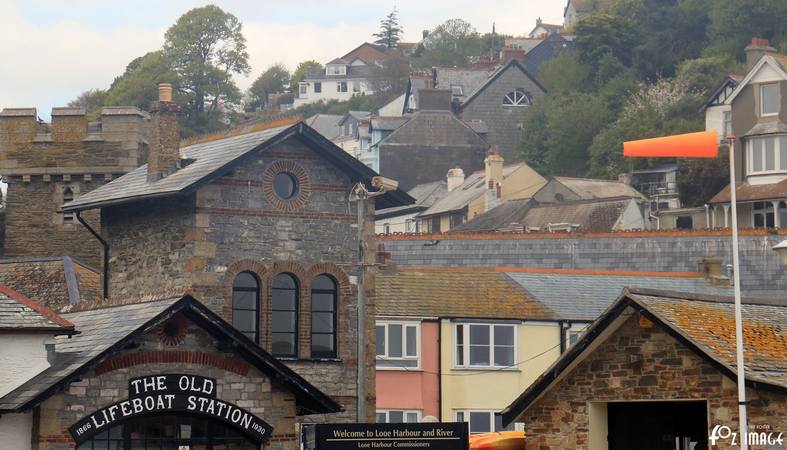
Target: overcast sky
(51, 50)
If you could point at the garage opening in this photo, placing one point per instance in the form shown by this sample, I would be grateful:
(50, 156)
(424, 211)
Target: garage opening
(679, 425)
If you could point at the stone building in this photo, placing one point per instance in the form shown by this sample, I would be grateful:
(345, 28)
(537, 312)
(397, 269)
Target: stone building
(166, 372)
(657, 370)
(260, 227)
(46, 165)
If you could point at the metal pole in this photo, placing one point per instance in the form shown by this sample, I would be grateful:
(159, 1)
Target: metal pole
(361, 363)
(738, 316)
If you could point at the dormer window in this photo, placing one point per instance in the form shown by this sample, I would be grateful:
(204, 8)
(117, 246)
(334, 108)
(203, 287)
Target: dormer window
(766, 154)
(336, 69)
(769, 99)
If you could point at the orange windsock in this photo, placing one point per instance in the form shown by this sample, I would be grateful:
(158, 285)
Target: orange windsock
(703, 144)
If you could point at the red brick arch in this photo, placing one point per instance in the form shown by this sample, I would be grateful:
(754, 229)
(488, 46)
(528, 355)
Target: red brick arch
(304, 305)
(343, 305)
(301, 177)
(245, 265)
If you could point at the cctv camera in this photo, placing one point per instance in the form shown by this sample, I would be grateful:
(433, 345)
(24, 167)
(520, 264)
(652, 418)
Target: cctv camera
(385, 184)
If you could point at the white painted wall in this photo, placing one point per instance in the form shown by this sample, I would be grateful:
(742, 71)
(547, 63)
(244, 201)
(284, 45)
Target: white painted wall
(632, 218)
(329, 91)
(396, 224)
(22, 356)
(714, 119)
(16, 431)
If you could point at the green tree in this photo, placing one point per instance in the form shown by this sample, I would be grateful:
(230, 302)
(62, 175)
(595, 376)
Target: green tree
(304, 68)
(138, 85)
(453, 43)
(390, 31)
(92, 101)
(206, 48)
(273, 80)
(734, 22)
(704, 74)
(390, 75)
(602, 33)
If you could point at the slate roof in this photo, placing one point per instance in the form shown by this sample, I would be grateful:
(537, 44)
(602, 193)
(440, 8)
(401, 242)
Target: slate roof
(503, 216)
(523, 43)
(547, 49)
(469, 78)
(388, 123)
(367, 52)
(585, 296)
(214, 158)
(513, 65)
(588, 188)
(326, 124)
(434, 292)
(52, 281)
(353, 72)
(19, 313)
(425, 195)
(461, 196)
(746, 192)
(592, 216)
(103, 331)
(703, 323)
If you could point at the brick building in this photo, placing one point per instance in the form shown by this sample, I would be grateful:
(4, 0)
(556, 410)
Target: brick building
(657, 370)
(46, 165)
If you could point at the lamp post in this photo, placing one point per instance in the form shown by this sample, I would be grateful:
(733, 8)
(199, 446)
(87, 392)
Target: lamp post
(737, 290)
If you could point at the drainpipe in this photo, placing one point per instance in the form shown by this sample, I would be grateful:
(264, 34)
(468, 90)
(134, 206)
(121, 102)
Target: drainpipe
(707, 216)
(106, 253)
(440, 369)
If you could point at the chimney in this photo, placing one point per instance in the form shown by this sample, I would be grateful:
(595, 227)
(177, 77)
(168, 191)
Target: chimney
(509, 53)
(625, 178)
(434, 99)
(493, 177)
(756, 50)
(164, 148)
(455, 177)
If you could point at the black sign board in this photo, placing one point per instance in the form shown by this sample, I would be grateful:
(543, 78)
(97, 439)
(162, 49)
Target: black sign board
(171, 393)
(430, 436)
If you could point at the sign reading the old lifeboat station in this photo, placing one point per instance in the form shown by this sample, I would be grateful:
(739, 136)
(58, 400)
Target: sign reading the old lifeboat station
(191, 394)
(431, 436)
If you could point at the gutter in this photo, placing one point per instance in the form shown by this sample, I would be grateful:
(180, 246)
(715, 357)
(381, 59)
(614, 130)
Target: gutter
(105, 245)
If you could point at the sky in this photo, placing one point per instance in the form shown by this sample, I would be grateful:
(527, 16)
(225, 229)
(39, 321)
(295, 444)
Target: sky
(52, 50)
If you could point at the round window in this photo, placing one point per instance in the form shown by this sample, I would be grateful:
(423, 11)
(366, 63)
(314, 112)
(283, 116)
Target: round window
(285, 186)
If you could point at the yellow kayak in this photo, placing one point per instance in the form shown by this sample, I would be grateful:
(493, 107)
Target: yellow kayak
(499, 440)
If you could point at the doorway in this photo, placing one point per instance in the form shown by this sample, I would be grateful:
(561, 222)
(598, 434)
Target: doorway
(681, 425)
(170, 432)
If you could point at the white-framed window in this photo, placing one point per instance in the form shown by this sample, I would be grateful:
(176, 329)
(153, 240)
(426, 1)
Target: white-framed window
(726, 128)
(517, 97)
(481, 421)
(411, 226)
(341, 86)
(484, 345)
(572, 334)
(398, 416)
(356, 86)
(336, 69)
(398, 344)
(303, 89)
(766, 154)
(762, 214)
(769, 99)
(387, 228)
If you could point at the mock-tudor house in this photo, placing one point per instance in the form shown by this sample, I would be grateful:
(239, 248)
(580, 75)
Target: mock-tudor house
(717, 113)
(759, 123)
(481, 191)
(658, 370)
(429, 143)
(165, 372)
(454, 343)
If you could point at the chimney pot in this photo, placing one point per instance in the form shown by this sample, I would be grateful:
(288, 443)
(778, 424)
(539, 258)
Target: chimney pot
(454, 178)
(165, 92)
(756, 50)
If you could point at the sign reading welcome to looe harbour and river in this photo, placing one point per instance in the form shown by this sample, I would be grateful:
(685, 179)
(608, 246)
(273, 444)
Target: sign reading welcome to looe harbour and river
(431, 436)
(152, 394)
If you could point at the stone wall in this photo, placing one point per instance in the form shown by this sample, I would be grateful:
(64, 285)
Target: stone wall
(39, 161)
(503, 121)
(762, 274)
(236, 224)
(243, 386)
(640, 364)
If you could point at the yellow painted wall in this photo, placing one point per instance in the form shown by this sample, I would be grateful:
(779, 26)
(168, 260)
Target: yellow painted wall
(523, 183)
(487, 389)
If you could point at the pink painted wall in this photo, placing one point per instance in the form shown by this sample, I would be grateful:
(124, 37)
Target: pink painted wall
(399, 389)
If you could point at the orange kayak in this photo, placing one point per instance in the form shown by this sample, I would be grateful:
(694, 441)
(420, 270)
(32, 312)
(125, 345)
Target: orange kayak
(500, 440)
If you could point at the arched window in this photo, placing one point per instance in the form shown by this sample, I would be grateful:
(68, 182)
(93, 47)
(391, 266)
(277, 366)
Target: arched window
(284, 316)
(323, 317)
(517, 97)
(246, 305)
(68, 195)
